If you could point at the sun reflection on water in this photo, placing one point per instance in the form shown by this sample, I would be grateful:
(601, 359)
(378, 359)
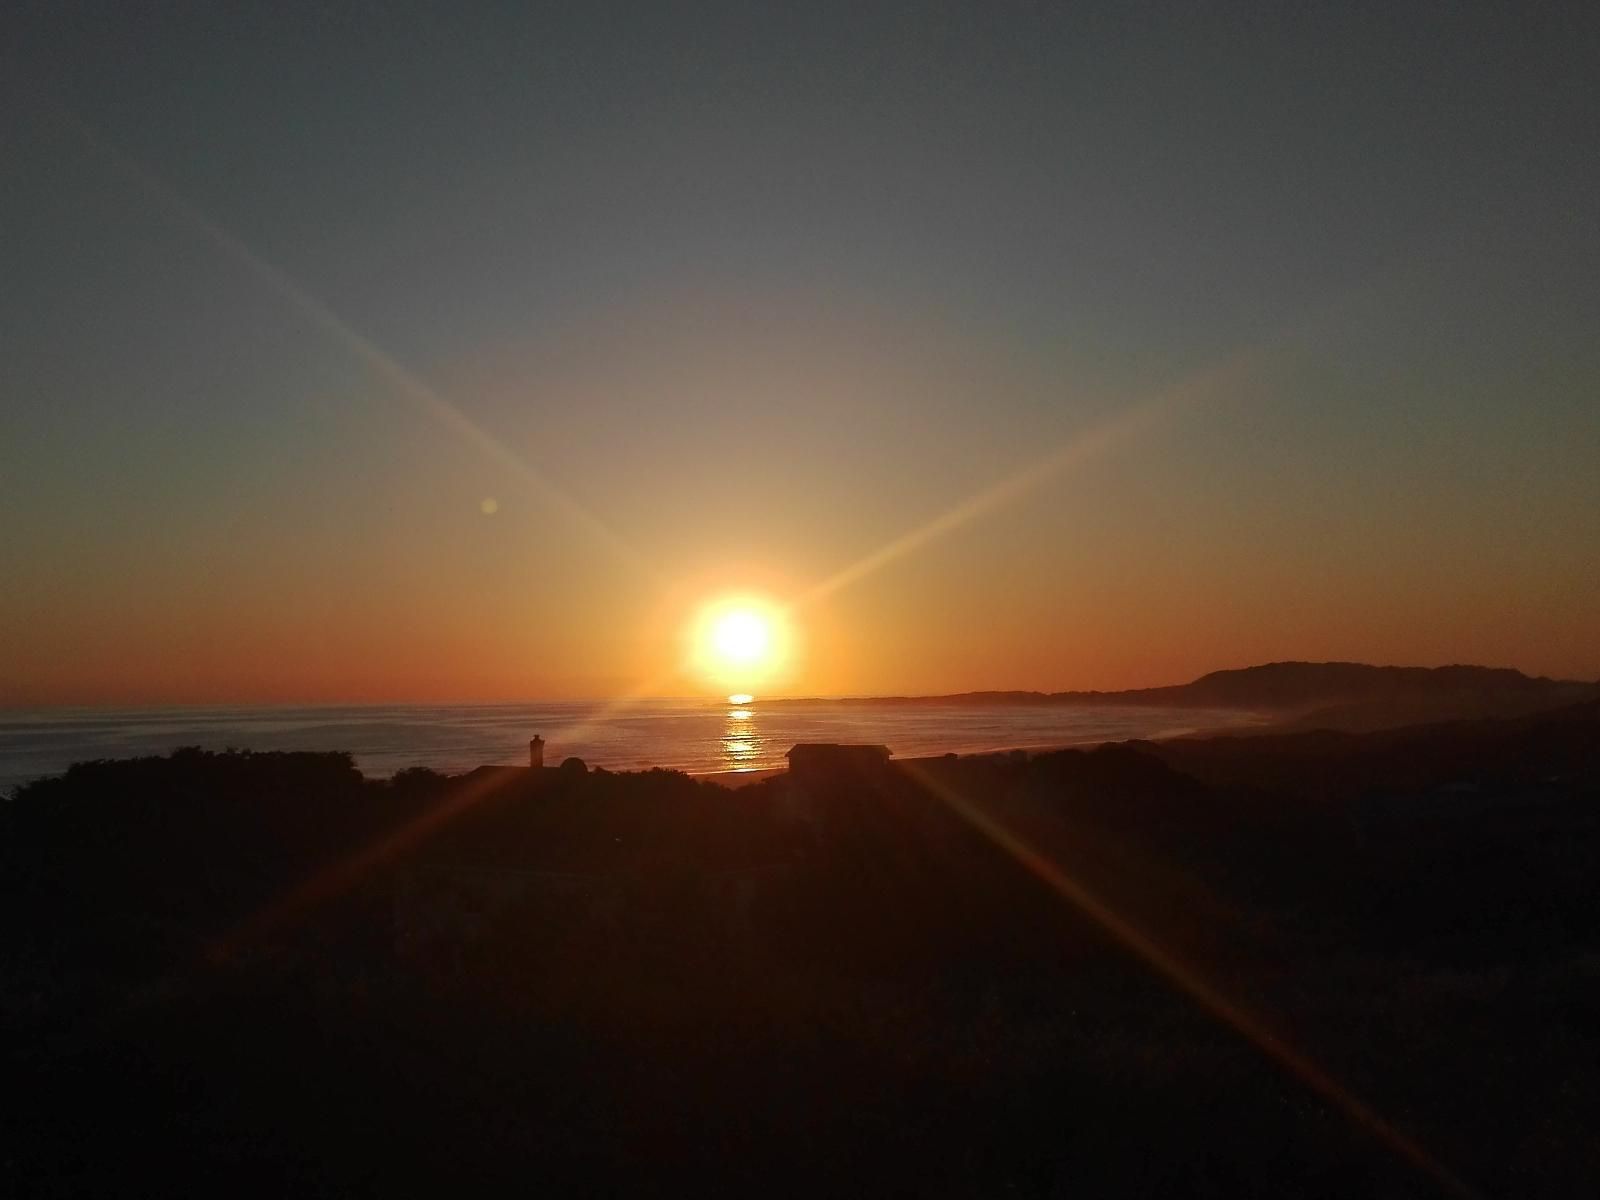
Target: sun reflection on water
(741, 747)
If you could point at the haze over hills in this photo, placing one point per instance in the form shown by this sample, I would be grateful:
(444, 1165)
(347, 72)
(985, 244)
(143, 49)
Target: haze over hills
(1335, 695)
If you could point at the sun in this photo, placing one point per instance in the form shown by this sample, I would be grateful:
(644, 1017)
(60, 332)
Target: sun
(741, 637)
(740, 642)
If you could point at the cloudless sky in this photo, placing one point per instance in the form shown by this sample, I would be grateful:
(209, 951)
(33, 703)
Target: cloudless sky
(1281, 319)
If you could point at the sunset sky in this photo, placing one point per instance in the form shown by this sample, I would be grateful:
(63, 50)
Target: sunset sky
(360, 352)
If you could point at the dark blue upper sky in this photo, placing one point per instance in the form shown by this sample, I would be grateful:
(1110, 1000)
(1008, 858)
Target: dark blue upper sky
(1178, 169)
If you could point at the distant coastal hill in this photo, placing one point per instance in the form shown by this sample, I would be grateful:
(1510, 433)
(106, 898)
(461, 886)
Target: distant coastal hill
(1332, 695)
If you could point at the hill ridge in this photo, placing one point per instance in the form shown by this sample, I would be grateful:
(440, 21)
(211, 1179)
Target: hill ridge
(1342, 694)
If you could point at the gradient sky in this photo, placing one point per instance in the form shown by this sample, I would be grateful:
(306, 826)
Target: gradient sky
(1201, 337)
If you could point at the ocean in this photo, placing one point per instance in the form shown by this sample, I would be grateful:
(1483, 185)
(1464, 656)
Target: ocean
(695, 735)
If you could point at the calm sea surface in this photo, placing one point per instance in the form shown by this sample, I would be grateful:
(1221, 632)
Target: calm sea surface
(688, 735)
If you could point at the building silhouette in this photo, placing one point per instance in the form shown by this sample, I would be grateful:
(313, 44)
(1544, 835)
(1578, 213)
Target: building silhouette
(817, 760)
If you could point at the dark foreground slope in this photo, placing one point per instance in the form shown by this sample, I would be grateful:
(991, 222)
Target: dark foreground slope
(264, 973)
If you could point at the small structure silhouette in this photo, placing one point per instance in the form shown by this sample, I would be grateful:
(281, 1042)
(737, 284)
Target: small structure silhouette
(818, 759)
(536, 752)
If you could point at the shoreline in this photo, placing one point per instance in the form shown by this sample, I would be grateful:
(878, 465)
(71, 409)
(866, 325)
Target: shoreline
(1244, 722)
(735, 779)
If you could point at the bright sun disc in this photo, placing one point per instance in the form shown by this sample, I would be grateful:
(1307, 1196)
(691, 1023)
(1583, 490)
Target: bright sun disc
(740, 643)
(741, 637)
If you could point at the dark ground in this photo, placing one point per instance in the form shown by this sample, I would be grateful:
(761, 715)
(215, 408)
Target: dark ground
(265, 974)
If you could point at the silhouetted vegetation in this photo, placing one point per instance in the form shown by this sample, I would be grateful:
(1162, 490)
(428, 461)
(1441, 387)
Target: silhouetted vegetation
(265, 972)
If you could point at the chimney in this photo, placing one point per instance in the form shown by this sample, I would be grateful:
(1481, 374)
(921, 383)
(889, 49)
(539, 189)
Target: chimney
(536, 752)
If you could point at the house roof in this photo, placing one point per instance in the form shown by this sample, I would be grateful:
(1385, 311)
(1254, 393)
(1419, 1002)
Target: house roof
(842, 749)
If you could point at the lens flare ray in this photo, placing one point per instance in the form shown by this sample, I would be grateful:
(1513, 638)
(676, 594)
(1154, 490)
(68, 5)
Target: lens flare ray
(404, 381)
(1130, 422)
(1186, 979)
